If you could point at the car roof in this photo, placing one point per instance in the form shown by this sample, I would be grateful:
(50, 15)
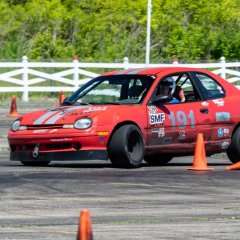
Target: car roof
(152, 71)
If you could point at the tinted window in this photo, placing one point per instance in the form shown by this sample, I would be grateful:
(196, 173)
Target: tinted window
(213, 89)
(116, 89)
(185, 90)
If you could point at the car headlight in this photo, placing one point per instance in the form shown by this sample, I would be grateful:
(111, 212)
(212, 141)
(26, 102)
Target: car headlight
(15, 126)
(83, 123)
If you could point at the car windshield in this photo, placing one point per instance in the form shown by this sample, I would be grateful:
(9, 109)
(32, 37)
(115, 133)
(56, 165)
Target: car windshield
(114, 89)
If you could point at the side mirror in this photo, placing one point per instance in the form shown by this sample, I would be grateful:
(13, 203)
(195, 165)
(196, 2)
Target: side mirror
(66, 102)
(65, 99)
(162, 99)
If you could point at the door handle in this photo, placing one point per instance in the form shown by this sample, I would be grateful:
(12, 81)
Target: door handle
(204, 110)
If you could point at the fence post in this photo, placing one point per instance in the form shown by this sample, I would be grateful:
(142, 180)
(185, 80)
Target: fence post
(174, 60)
(126, 62)
(223, 68)
(25, 97)
(75, 74)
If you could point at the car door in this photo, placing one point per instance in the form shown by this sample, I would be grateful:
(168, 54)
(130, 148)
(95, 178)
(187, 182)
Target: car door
(173, 127)
(218, 105)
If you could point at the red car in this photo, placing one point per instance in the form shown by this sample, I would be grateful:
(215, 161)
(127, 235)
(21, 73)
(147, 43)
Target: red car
(128, 116)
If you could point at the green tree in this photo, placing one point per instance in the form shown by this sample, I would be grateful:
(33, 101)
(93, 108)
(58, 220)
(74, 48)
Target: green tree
(107, 31)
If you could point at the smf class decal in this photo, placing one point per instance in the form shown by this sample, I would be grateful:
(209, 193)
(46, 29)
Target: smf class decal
(155, 118)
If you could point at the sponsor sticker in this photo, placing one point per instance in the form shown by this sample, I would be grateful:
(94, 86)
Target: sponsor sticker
(219, 102)
(167, 140)
(226, 131)
(155, 118)
(159, 132)
(152, 110)
(95, 109)
(101, 138)
(54, 130)
(40, 131)
(222, 116)
(220, 132)
(61, 140)
(182, 135)
(205, 104)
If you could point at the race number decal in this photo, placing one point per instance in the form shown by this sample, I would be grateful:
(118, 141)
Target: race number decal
(182, 119)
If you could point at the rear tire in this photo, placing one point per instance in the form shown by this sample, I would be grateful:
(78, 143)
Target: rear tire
(233, 151)
(157, 159)
(126, 147)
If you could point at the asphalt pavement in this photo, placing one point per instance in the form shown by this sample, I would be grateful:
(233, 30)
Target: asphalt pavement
(149, 203)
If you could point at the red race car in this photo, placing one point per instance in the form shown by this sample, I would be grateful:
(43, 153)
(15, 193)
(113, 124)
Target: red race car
(128, 116)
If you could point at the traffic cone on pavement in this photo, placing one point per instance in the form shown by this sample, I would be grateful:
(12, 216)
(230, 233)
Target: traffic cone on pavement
(235, 166)
(13, 109)
(61, 98)
(200, 161)
(85, 227)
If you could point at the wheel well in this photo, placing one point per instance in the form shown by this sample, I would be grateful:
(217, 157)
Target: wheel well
(119, 125)
(235, 129)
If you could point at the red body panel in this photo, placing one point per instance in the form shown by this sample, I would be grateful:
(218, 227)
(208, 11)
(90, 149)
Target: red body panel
(178, 128)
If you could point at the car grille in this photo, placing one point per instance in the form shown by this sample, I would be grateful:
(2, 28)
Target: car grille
(46, 147)
(34, 127)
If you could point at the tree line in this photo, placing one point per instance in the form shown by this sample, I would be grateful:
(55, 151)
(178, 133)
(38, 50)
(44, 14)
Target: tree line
(107, 31)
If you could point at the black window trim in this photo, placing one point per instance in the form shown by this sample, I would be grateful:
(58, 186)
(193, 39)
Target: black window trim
(203, 93)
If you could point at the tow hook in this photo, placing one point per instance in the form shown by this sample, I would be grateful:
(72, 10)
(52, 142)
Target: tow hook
(36, 150)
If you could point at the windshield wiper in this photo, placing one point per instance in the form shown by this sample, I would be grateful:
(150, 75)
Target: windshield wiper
(82, 103)
(105, 103)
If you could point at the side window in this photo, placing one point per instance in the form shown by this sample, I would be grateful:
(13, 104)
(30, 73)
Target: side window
(183, 82)
(213, 89)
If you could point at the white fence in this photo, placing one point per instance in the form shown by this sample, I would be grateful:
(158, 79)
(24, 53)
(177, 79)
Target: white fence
(25, 76)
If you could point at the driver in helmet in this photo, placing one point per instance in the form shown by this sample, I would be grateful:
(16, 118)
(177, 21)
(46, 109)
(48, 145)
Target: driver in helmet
(167, 86)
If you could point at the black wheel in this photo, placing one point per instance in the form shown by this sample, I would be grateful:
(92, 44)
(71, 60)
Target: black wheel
(233, 150)
(157, 159)
(35, 163)
(126, 147)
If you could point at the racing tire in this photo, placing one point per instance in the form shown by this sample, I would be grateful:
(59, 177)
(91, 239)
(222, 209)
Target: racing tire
(157, 159)
(35, 163)
(233, 151)
(126, 147)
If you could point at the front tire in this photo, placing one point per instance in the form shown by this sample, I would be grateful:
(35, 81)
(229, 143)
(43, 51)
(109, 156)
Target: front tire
(126, 147)
(233, 151)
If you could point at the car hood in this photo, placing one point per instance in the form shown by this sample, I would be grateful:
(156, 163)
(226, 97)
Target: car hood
(65, 114)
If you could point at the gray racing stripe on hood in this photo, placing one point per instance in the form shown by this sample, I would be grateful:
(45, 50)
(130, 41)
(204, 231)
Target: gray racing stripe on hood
(43, 117)
(53, 119)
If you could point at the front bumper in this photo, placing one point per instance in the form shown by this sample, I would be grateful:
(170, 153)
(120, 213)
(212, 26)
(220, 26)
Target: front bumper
(57, 147)
(60, 156)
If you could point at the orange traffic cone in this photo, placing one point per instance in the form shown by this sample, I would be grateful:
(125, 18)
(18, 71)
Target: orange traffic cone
(235, 166)
(85, 227)
(61, 98)
(200, 162)
(13, 110)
